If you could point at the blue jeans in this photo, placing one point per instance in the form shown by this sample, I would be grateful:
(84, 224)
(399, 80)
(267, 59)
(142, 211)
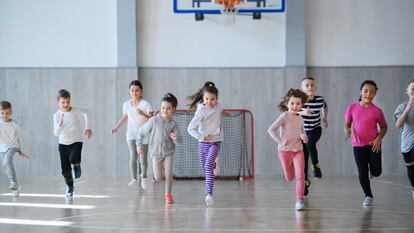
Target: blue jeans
(7, 163)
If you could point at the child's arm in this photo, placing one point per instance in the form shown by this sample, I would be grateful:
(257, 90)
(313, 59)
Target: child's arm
(86, 115)
(21, 153)
(274, 130)
(142, 113)
(303, 135)
(121, 121)
(347, 130)
(193, 126)
(57, 123)
(376, 144)
(399, 122)
(325, 116)
(176, 135)
(143, 131)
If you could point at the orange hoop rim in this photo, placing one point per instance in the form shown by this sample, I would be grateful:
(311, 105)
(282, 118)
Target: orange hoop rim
(229, 5)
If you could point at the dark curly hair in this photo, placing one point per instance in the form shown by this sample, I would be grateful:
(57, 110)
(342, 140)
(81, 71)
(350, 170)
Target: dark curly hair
(291, 93)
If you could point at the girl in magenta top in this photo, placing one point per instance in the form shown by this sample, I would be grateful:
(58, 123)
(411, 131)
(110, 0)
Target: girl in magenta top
(288, 131)
(362, 118)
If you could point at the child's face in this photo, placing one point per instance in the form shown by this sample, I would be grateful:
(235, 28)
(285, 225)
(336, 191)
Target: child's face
(210, 99)
(166, 109)
(294, 104)
(309, 87)
(368, 93)
(135, 92)
(6, 114)
(64, 104)
(410, 90)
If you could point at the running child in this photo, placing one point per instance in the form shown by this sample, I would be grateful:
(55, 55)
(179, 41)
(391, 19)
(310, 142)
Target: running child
(9, 145)
(67, 126)
(311, 113)
(361, 121)
(404, 120)
(207, 129)
(289, 132)
(136, 112)
(163, 134)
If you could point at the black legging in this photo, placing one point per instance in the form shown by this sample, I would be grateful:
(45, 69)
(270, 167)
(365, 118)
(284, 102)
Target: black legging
(367, 161)
(409, 163)
(310, 148)
(69, 154)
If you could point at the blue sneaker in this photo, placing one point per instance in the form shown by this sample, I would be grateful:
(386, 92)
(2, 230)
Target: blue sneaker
(77, 170)
(69, 191)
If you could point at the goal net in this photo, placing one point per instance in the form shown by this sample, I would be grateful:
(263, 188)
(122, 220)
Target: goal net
(236, 156)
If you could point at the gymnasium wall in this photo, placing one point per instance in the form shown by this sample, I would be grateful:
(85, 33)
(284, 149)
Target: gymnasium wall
(42, 51)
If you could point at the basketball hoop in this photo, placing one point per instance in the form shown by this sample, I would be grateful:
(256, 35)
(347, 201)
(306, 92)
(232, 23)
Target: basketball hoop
(230, 9)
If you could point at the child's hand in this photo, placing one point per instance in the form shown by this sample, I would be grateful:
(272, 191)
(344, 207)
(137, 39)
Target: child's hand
(226, 113)
(376, 145)
(410, 103)
(88, 133)
(140, 112)
(114, 130)
(173, 136)
(306, 112)
(139, 150)
(61, 120)
(21, 153)
(208, 137)
(347, 132)
(325, 122)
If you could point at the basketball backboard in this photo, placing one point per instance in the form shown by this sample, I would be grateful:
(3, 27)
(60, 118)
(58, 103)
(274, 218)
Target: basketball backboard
(212, 7)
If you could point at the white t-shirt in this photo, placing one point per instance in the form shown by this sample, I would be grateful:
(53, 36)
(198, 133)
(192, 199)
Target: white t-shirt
(71, 131)
(135, 120)
(9, 135)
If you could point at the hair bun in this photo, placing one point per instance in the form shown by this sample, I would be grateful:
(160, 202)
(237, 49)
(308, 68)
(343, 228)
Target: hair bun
(209, 84)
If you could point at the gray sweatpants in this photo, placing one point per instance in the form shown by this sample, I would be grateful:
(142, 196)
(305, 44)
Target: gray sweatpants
(133, 156)
(7, 164)
(168, 169)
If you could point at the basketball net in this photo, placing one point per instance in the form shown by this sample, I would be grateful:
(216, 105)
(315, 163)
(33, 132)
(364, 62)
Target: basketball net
(230, 9)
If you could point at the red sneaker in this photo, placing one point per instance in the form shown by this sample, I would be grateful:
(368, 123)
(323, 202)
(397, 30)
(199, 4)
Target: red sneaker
(169, 199)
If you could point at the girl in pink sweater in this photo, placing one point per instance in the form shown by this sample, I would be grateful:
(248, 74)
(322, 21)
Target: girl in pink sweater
(288, 131)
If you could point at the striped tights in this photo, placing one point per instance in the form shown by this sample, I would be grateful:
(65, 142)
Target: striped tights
(208, 154)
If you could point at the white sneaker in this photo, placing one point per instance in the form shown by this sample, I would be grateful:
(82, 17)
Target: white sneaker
(209, 200)
(368, 201)
(132, 183)
(16, 192)
(300, 205)
(144, 183)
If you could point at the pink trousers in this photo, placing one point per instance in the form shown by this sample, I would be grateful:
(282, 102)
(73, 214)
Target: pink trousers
(293, 166)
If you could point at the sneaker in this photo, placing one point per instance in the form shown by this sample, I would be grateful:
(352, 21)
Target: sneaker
(77, 170)
(307, 185)
(169, 199)
(300, 205)
(144, 183)
(368, 201)
(317, 173)
(209, 200)
(132, 183)
(16, 191)
(69, 191)
(13, 186)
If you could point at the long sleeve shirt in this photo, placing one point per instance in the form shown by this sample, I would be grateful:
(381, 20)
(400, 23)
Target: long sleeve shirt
(71, 130)
(288, 131)
(9, 135)
(207, 121)
(160, 142)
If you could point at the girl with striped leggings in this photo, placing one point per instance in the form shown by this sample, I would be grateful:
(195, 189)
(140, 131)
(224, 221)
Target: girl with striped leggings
(206, 127)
